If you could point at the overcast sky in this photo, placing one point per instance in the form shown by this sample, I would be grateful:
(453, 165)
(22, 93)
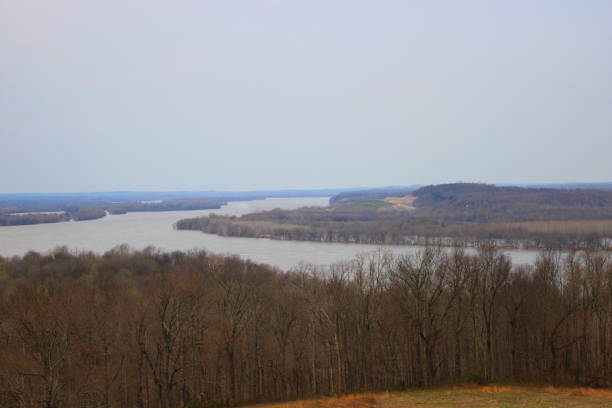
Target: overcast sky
(234, 95)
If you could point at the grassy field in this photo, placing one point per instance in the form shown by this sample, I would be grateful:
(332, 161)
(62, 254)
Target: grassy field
(365, 205)
(485, 396)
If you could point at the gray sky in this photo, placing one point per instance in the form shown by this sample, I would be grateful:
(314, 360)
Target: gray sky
(230, 95)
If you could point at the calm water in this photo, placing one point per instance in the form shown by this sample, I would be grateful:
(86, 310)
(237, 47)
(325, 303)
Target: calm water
(141, 229)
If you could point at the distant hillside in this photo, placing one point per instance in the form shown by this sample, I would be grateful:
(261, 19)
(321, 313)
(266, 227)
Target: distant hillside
(460, 213)
(473, 202)
(483, 202)
(567, 186)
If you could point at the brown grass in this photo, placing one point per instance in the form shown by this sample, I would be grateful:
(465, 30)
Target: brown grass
(406, 202)
(468, 396)
(367, 400)
(581, 392)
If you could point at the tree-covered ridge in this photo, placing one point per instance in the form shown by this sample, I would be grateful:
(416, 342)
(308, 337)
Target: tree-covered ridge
(483, 202)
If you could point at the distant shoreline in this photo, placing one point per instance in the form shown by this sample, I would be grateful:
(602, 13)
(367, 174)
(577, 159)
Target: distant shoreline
(433, 242)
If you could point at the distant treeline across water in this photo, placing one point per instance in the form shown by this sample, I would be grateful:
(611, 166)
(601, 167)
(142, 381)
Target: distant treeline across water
(78, 213)
(462, 213)
(42, 208)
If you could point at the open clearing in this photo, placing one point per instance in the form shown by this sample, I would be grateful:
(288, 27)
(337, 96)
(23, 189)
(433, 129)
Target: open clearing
(477, 396)
(406, 202)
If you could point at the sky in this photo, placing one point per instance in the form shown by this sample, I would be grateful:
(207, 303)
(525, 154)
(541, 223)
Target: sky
(243, 95)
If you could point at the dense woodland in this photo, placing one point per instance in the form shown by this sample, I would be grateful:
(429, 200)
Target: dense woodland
(31, 218)
(87, 213)
(456, 214)
(174, 205)
(152, 329)
(469, 202)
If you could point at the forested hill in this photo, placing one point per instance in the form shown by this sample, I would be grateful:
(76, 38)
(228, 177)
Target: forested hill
(484, 202)
(474, 202)
(461, 213)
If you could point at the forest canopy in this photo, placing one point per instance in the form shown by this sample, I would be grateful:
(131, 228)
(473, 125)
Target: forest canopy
(161, 330)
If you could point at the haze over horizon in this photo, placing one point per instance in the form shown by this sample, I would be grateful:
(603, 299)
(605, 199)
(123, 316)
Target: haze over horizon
(263, 95)
(338, 188)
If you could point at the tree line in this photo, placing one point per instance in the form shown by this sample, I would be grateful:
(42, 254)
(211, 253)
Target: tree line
(367, 223)
(32, 218)
(172, 205)
(77, 212)
(154, 329)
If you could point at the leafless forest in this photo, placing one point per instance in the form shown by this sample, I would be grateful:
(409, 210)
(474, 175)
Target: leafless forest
(152, 329)
(465, 214)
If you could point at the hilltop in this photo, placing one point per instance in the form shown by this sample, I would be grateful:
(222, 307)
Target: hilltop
(485, 202)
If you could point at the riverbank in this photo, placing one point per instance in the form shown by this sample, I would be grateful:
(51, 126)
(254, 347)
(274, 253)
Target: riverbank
(525, 236)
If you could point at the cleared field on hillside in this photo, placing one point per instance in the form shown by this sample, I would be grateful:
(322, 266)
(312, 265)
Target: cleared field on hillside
(406, 202)
(484, 396)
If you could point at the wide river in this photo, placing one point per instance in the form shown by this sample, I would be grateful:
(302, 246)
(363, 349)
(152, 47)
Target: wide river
(142, 229)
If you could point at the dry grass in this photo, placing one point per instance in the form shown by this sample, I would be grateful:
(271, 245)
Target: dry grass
(406, 202)
(581, 392)
(471, 396)
(367, 400)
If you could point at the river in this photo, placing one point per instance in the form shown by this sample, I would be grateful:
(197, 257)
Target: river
(142, 229)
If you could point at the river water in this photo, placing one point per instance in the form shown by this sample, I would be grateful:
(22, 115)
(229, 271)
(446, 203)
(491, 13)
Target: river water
(142, 229)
